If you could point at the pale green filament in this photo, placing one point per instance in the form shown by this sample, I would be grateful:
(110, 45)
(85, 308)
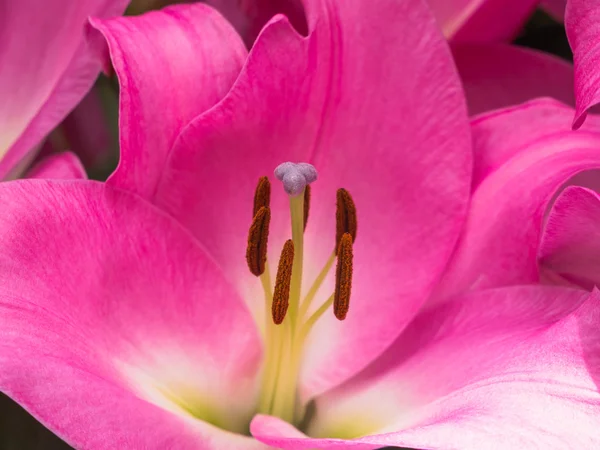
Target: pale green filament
(316, 285)
(269, 332)
(316, 316)
(285, 343)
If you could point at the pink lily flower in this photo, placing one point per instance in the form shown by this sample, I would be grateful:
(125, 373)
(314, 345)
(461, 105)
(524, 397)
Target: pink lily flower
(46, 70)
(160, 337)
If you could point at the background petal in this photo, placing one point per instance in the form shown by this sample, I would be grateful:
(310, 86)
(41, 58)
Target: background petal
(91, 129)
(571, 240)
(58, 166)
(510, 368)
(396, 138)
(523, 155)
(249, 16)
(481, 20)
(496, 75)
(582, 23)
(172, 65)
(110, 312)
(556, 8)
(46, 71)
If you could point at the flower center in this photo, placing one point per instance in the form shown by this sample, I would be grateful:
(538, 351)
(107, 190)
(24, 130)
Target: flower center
(287, 319)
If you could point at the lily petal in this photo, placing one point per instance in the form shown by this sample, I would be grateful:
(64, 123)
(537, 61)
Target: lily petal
(582, 22)
(46, 71)
(111, 313)
(481, 20)
(89, 131)
(249, 16)
(511, 368)
(172, 65)
(571, 241)
(556, 8)
(378, 110)
(497, 75)
(58, 166)
(523, 155)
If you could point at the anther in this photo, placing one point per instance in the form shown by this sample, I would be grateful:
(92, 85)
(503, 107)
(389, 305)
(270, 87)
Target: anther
(306, 204)
(256, 251)
(281, 294)
(345, 217)
(343, 277)
(262, 194)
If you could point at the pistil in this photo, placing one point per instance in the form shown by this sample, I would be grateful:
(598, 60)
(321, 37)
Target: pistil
(297, 215)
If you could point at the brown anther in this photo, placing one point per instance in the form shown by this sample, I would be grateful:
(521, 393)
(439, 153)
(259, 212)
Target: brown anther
(306, 204)
(343, 277)
(262, 195)
(345, 217)
(281, 294)
(256, 251)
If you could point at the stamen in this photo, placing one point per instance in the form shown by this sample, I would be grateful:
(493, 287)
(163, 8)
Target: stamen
(345, 217)
(262, 194)
(281, 295)
(306, 204)
(343, 277)
(256, 251)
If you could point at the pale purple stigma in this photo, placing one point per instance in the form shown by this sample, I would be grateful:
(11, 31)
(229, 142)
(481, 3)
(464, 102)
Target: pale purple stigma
(295, 176)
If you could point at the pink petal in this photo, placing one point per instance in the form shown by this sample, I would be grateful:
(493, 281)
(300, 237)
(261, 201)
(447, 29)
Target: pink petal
(582, 19)
(58, 166)
(571, 241)
(506, 368)
(379, 111)
(249, 16)
(88, 130)
(481, 20)
(523, 155)
(496, 75)
(106, 306)
(46, 69)
(172, 65)
(556, 8)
